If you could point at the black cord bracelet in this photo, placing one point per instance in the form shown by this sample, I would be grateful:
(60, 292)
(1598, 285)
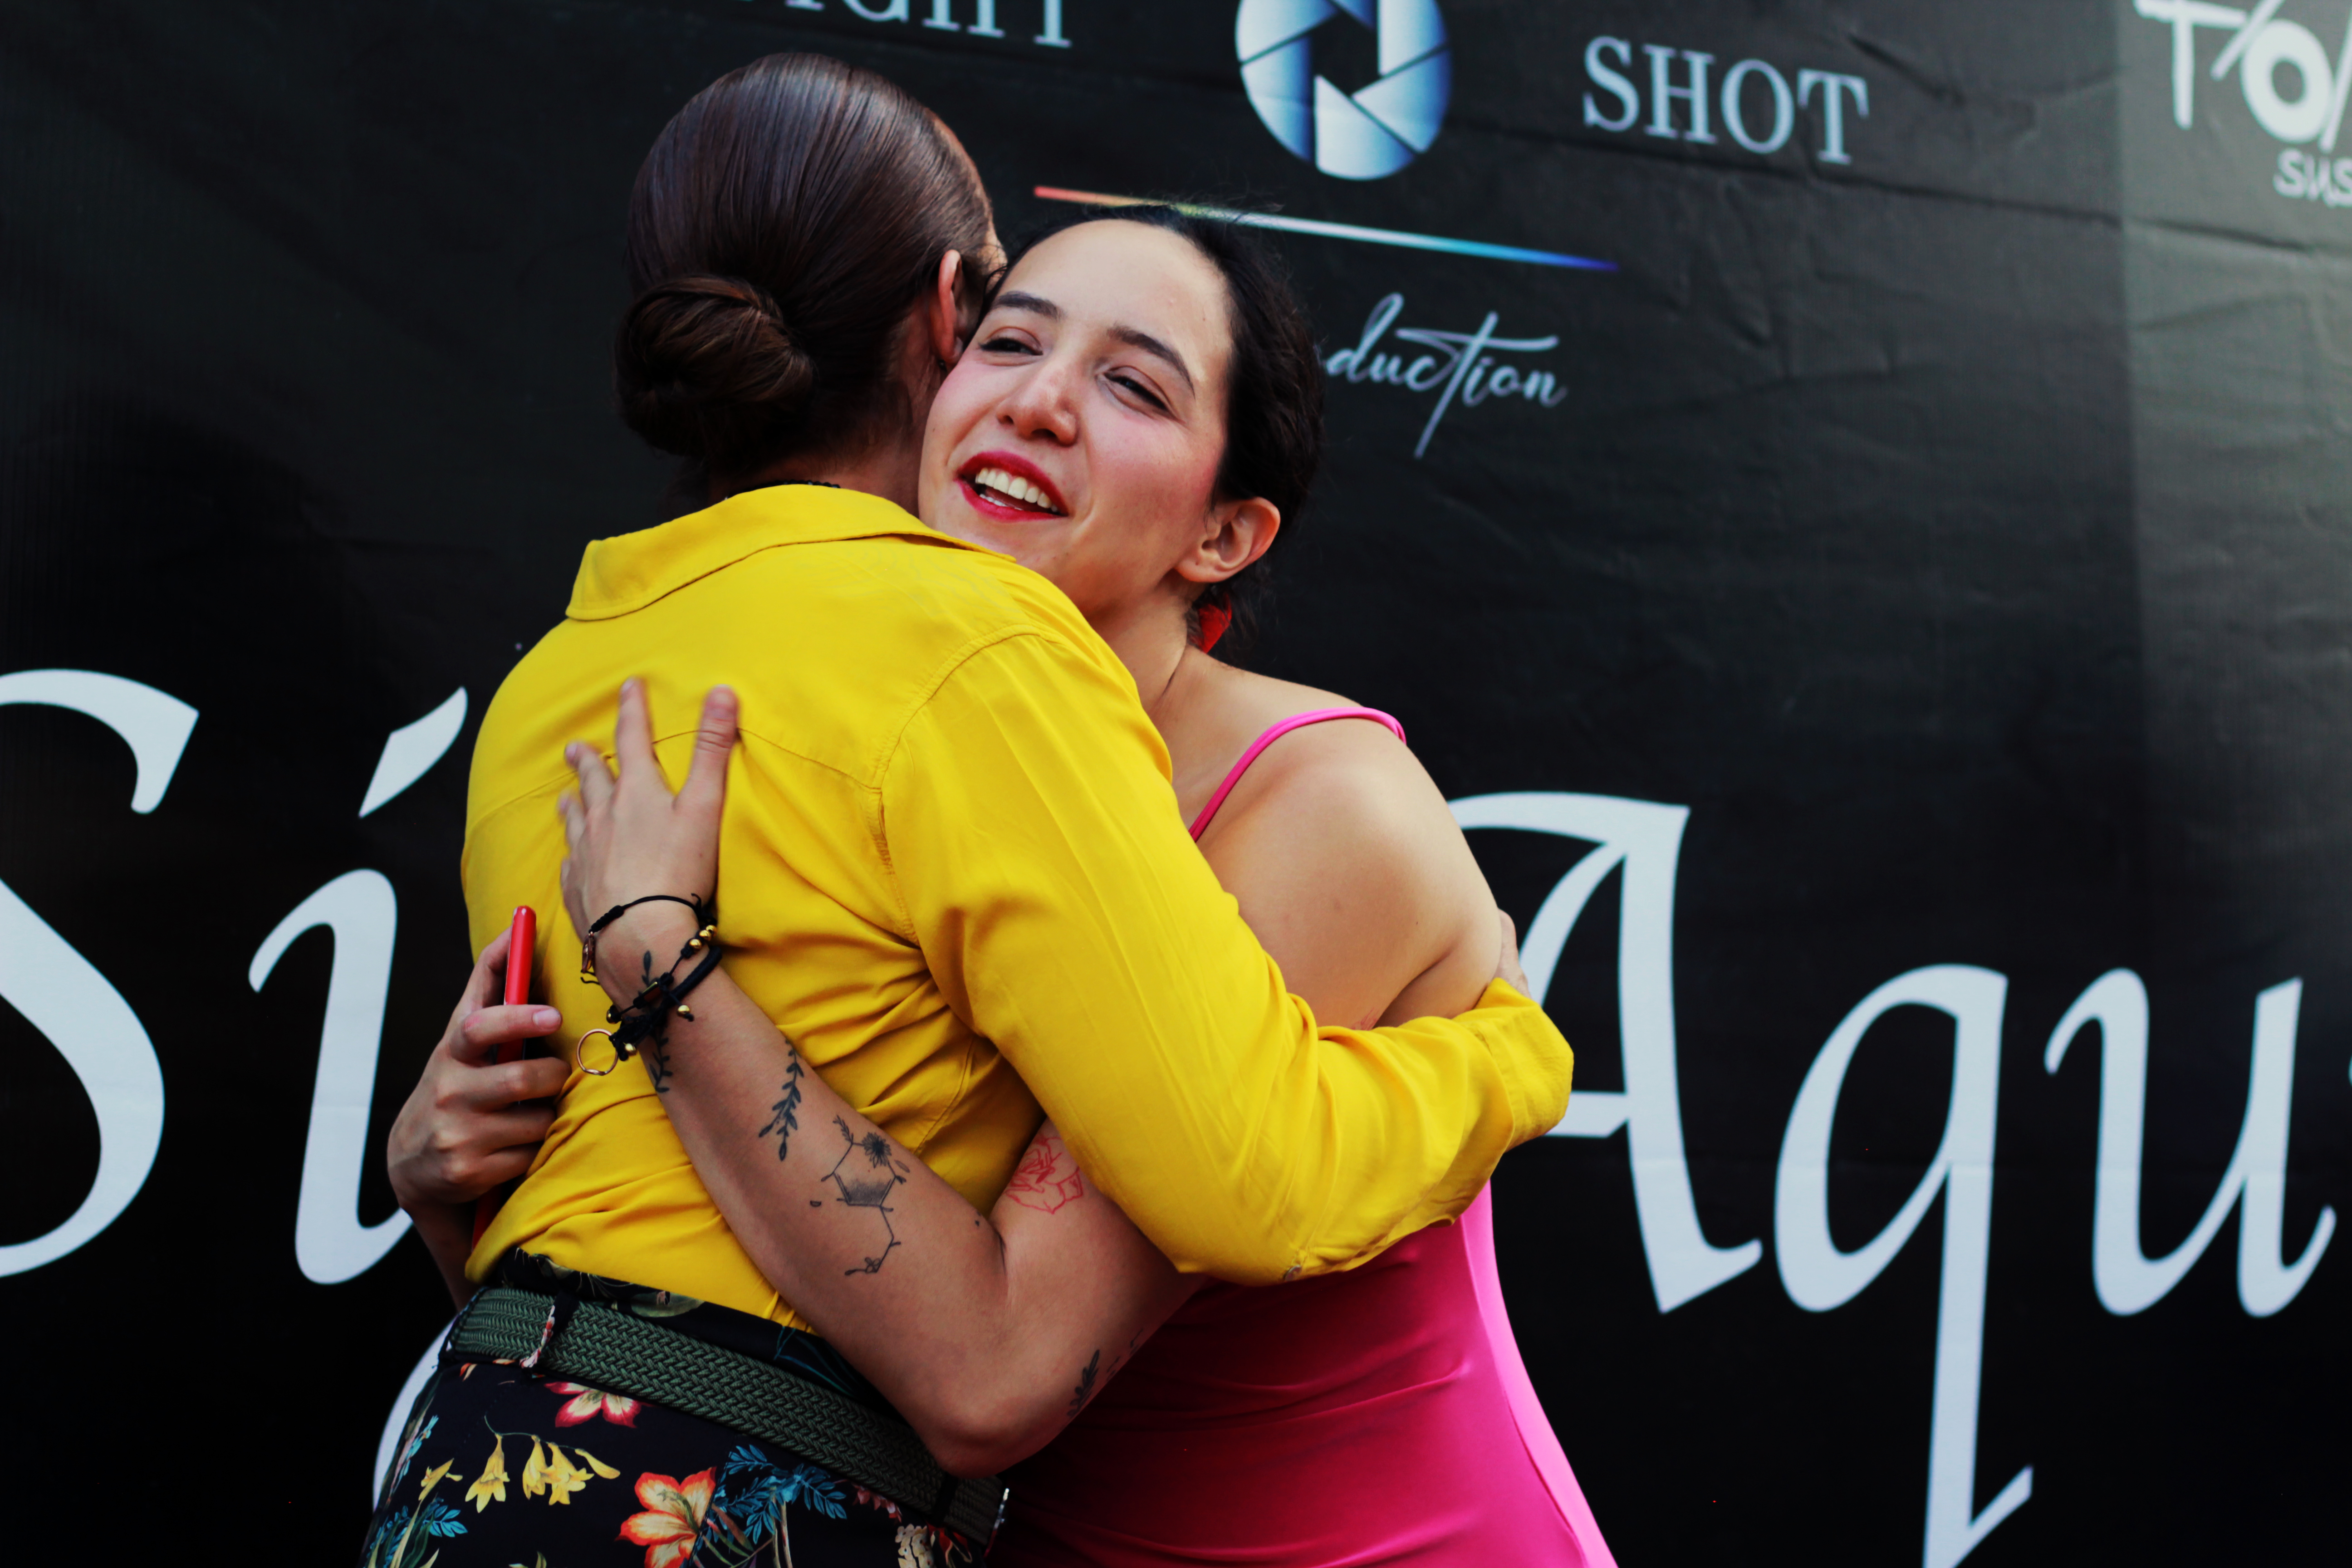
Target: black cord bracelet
(641, 1016)
(705, 914)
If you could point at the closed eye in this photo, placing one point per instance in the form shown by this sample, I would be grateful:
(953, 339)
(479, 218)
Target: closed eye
(1141, 391)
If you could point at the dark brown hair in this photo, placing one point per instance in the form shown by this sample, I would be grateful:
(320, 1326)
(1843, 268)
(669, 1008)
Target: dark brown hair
(1274, 391)
(782, 226)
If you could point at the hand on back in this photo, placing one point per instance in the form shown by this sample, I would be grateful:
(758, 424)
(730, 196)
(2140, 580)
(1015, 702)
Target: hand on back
(472, 1122)
(630, 839)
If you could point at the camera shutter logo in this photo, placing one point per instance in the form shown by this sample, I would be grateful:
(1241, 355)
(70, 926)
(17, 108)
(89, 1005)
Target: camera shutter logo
(1364, 135)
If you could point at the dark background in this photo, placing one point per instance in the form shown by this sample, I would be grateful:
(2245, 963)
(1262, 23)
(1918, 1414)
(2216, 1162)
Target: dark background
(1960, 532)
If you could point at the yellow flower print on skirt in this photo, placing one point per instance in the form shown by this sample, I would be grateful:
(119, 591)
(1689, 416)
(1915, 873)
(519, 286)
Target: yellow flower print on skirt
(499, 1466)
(664, 1491)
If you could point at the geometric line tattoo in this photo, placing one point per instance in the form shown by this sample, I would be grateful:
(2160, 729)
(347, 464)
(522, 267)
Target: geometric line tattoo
(867, 1184)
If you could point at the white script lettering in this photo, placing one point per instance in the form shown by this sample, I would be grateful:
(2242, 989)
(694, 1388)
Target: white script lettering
(1644, 838)
(2126, 1279)
(60, 993)
(1819, 1276)
(1463, 365)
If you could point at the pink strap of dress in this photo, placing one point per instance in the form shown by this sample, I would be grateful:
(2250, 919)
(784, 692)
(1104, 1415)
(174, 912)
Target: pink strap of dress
(1295, 721)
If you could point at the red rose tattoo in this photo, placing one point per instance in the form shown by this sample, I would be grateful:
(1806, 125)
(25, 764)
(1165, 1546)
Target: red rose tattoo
(1047, 1178)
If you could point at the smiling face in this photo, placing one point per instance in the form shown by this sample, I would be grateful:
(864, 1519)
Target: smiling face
(1082, 431)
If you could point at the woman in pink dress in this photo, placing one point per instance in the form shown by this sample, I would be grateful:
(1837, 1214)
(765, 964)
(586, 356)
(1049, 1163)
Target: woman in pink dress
(1137, 417)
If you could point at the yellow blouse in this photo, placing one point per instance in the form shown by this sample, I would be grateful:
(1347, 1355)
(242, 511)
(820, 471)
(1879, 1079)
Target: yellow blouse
(952, 870)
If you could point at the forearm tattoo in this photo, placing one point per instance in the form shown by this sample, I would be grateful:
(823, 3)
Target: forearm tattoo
(872, 1174)
(786, 1119)
(657, 1046)
(1086, 1389)
(1088, 1378)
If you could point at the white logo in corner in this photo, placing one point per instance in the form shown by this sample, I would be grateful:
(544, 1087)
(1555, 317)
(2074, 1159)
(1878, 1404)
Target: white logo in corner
(2269, 53)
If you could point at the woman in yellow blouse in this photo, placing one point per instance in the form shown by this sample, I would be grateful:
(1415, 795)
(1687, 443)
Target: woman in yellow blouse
(953, 873)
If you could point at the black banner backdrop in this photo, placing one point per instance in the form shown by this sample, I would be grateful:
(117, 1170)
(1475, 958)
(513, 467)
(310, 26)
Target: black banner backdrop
(1887, 631)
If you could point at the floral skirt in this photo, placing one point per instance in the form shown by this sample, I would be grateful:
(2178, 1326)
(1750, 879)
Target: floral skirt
(499, 1466)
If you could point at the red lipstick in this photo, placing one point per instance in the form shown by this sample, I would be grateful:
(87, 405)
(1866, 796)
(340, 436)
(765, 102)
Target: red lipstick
(1009, 487)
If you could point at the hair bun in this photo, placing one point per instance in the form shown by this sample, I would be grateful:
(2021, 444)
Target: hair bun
(705, 369)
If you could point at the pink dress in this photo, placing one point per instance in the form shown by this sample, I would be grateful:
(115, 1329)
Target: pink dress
(1376, 1416)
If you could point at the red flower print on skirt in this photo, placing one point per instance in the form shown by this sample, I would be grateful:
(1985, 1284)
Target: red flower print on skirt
(586, 1404)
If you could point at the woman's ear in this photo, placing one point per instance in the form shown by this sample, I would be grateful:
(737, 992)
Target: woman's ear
(1237, 533)
(948, 316)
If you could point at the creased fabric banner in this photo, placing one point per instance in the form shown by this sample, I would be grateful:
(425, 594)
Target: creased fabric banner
(1854, 506)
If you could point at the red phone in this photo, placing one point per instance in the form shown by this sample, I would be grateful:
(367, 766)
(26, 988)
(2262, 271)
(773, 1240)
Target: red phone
(522, 938)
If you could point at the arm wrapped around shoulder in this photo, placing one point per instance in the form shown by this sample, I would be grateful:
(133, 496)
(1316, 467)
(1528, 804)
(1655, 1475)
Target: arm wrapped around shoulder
(1536, 1058)
(1066, 914)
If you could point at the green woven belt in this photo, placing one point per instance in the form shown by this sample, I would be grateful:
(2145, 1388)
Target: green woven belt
(610, 1349)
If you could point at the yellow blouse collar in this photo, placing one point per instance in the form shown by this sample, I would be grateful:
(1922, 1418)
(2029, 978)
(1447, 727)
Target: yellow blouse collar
(628, 573)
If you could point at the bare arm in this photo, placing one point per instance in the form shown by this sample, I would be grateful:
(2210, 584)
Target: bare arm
(1025, 820)
(989, 1334)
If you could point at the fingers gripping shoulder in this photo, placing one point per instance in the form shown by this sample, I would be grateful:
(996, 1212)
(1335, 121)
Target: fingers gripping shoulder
(1537, 1062)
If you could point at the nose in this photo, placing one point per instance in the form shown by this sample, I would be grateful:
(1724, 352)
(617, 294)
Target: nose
(1045, 407)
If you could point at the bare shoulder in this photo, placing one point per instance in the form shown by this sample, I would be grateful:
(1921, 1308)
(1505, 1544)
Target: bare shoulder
(1350, 867)
(1356, 765)
(1232, 710)
(1253, 703)
(1352, 768)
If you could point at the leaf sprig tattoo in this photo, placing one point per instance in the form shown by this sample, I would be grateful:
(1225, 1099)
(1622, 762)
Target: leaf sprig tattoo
(656, 1048)
(786, 1119)
(1086, 1389)
(1088, 1376)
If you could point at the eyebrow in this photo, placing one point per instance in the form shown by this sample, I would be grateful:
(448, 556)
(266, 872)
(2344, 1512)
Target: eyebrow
(1013, 300)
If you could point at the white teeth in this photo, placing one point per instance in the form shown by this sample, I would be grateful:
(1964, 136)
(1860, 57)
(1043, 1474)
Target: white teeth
(1014, 486)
